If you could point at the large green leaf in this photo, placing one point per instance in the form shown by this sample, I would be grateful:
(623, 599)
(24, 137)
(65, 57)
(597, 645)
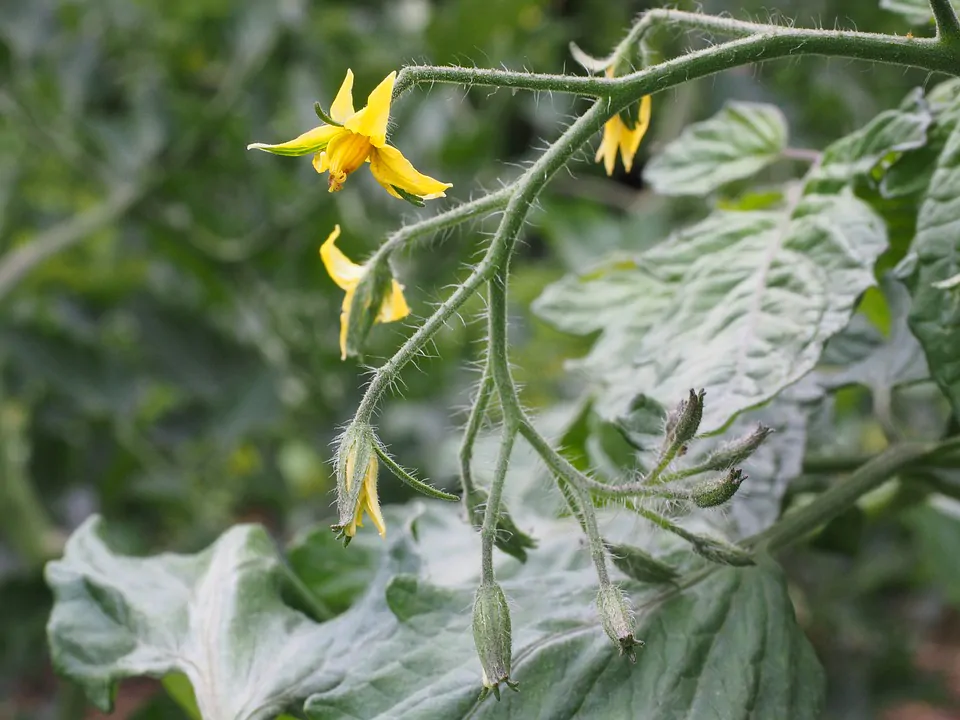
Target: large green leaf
(935, 316)
(740, 304)
(735, 143)
(216, 617)
(728, 645)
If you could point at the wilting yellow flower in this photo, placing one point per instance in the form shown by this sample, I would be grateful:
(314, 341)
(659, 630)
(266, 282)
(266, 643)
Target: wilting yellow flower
(358, 137)
(367, 502)
(616, 135)
(348, 275)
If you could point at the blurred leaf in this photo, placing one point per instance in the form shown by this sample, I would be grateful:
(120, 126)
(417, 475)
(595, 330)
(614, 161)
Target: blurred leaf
(916, 11)
(860, 152)
(733, 144)
(883, 362)
(936, 531)
(935, 316)
(216, 617)
(740, 304)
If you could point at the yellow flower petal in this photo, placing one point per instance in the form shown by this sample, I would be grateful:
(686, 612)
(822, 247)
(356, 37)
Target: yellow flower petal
(321, 163)
(630, 139)
(390, 168)
(369, 499)
(345, 321)
(342, 107)
(608, 145)
(344, 272)
(310, 142)
(372, 120)
(394, 306)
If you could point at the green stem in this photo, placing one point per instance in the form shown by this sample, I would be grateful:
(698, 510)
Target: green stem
(796, 525)
(491, 515)
(443, 221)
(598, 551)
(477, 414)
(948, 26)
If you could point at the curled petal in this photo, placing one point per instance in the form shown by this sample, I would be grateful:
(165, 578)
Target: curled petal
(372, 120)
(344, 272)
(310, 142)
(345, 321)
(608, 145)
(369, 500)
(342, 107)
(394, 305)
(630, 139)
(390, 168)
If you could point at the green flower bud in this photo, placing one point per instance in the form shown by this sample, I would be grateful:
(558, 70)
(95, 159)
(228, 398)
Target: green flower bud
(684, 421)
(736, 452)
(716, 491)
(617, 621)
(491, 635)
(510, 539)
(721, 552)
(635, 563)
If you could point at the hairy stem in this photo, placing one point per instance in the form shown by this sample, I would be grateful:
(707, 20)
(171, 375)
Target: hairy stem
(948, 27)
(796, 525)
(477, 414)
(488, 532)
(443, 221)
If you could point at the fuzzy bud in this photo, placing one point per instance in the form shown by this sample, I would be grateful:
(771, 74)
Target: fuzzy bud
(721, 552)
(736, 452)
(357, 470)
(510, 539)
(491, 635)
(639, 565)
(684, 421)
(717, 491)
(617, 621)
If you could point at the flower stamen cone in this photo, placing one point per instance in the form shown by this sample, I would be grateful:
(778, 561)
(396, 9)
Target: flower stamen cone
(359, 137)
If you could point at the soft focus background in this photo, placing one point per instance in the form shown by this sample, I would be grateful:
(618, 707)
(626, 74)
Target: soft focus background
(168, 336)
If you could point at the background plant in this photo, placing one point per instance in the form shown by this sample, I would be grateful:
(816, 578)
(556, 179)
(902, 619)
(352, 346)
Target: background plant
(97, 385)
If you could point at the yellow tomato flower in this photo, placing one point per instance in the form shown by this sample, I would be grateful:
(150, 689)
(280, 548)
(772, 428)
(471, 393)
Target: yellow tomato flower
(347, 275)
(367, 502)
(357, 137)
(616, 135)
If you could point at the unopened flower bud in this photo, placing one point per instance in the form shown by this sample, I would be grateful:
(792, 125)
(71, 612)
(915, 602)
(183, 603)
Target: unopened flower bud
(616, 620)
(736, 452)
(635, 563)
(510, 539)
(491, 635)
(716, 491)
(721, 552)
(357, 470)
(684, 421)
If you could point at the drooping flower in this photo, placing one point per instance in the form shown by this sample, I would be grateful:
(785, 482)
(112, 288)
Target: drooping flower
(349, 276)
(357, 469)
(617, 134)
(350, 138)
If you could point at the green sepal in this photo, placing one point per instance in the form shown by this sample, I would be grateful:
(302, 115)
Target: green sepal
(640, 565)
(509, 539)
(321, 113)
(408, 479)
(365, 306)
(409, 197)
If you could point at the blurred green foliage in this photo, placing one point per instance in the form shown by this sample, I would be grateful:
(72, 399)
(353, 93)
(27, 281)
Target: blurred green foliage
(168, 337)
